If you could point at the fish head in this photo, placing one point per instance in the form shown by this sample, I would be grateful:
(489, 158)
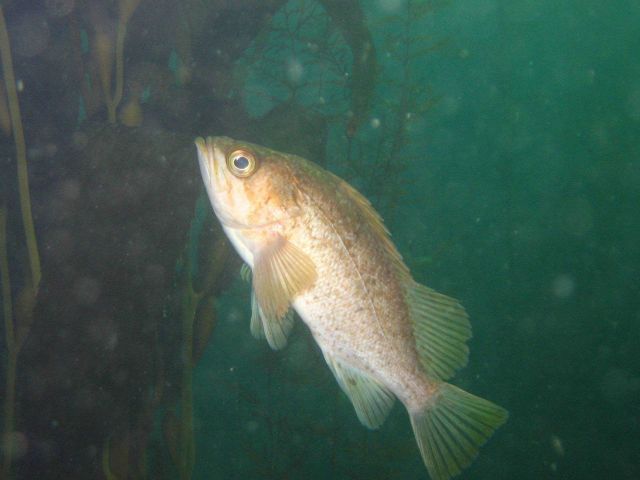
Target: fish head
(249, 186)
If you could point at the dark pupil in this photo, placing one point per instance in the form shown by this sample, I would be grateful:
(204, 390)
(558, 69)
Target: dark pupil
(241, 163)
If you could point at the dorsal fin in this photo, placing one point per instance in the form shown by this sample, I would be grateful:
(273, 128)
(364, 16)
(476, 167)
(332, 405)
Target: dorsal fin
(441, 328)
(440, 324)
(376, 224)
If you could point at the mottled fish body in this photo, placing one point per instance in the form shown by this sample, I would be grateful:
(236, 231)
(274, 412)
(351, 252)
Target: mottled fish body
(315, 245)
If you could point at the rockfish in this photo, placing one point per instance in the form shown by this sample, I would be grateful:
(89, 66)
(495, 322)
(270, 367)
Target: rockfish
(316, 245)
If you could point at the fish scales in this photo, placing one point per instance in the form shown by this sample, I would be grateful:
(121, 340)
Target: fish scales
(316, 246)
(356, 310)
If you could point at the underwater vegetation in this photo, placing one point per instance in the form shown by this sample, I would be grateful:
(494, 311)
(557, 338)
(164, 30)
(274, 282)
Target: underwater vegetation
(17, 321)
(114, 216)
(498, 139)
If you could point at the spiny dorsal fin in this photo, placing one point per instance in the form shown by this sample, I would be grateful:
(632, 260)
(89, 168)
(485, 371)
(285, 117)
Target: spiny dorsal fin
(441, 327)
(281, 271)
(370, 398)
(375, 222)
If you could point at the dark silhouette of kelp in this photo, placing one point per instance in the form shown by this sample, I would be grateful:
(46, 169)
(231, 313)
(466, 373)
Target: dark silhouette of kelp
(103, 366)
(17, 321)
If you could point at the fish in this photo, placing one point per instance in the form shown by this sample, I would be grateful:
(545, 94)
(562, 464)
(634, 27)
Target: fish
(313, 244)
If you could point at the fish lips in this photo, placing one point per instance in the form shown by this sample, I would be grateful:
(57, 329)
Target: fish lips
(205, 159)
(211, 159)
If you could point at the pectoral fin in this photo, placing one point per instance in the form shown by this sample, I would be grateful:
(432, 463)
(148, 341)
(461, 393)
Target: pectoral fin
(245, 273)
(281, 271)
(370, 398)
(256, 320)
(274, 330)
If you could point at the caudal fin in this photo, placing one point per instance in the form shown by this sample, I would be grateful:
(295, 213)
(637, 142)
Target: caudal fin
(450, 430)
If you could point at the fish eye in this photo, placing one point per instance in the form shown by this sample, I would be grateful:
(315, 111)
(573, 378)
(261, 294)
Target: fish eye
(241, 163)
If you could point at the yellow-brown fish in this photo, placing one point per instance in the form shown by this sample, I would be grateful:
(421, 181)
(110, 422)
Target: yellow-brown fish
(315, 245)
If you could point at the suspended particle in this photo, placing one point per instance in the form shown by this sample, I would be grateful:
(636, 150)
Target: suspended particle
(557, 445)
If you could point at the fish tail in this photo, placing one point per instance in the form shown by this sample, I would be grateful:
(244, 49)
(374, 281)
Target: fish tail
(451, 428)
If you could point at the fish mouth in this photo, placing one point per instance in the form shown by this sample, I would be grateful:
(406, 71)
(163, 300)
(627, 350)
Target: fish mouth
(209, 159)
(206, 158)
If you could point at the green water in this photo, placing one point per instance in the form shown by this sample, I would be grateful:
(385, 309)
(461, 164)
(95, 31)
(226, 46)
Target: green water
(498, 139)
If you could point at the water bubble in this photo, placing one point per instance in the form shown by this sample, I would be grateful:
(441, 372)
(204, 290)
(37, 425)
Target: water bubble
(69, 189)
(391, 6)
(235, 315)
(104, 332)
(87, 290)
(251, 426)
(556, 444)
(563, 286)
(295, 70)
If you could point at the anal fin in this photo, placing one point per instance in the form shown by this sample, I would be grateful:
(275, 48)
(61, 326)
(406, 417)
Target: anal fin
(370, 398)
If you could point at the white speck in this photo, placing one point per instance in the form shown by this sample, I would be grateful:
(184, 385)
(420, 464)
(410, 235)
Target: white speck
(251, 426)
(375, 122)
(235, 315)
(69, 189)
(295, 70)
(391, 5)
(86, 290)
(563, 286)
(556, 443)
(20, 85)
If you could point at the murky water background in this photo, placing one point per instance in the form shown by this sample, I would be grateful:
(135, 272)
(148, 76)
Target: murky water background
(499, 139)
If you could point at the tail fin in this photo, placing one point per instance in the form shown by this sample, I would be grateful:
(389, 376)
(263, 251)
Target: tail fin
(450, 430)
